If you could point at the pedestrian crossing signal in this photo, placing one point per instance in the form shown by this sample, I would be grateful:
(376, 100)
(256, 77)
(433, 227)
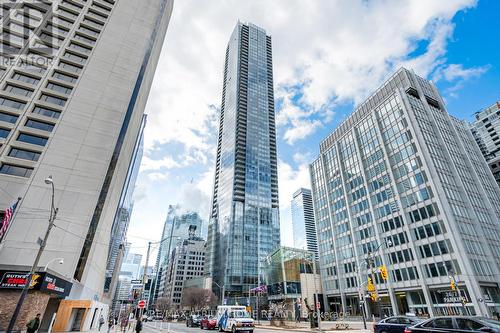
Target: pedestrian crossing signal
(373, 296)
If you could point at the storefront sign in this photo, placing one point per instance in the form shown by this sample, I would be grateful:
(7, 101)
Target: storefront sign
(40, 281)
(450, 296)
(17, 280)
(55, 285)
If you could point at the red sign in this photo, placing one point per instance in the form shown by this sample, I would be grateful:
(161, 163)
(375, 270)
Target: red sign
(141, 304)
(318, 305)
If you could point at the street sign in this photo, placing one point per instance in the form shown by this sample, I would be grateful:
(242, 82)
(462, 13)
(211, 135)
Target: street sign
(318, 305)
(141, 304)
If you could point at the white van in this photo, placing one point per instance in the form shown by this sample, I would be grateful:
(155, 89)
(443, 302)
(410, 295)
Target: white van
(234, 318)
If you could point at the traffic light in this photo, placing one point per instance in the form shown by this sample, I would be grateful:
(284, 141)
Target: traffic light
(369, 286)
(453, 285)
(373, 296)
(383, 272)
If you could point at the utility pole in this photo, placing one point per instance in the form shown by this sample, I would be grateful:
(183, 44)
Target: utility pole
(372, 274)
(316, 296)
(42, 243)
(145, 277)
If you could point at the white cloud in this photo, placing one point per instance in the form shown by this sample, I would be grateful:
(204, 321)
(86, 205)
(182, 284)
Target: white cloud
(324, 53)
(336, 50)
(454, 72)
(157, 176)
(167, 162)
(301, 129)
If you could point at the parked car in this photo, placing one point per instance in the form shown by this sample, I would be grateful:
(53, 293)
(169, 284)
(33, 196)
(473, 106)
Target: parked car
(396, 324)
(193, 321)
(208, 323)
(456, 324)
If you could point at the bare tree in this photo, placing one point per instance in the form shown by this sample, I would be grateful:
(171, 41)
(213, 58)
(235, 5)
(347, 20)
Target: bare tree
(162, 304)
(198, 298)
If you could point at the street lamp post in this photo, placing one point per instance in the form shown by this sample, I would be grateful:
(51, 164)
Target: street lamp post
(222, 291)
(61, 261)
(154, 291)
(362, 303)
(370, 260)
(42, 243)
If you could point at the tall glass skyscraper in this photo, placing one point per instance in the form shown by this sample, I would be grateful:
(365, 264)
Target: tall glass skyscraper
(304, 228)
(244, 221)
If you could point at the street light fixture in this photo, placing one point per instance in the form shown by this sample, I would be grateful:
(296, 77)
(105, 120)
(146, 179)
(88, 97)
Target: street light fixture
(61, 261)
(42, 243)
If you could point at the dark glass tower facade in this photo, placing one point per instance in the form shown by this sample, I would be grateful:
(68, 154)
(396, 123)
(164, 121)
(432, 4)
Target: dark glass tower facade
(244, 221)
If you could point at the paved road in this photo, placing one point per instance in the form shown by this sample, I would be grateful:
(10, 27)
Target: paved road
(158, 327)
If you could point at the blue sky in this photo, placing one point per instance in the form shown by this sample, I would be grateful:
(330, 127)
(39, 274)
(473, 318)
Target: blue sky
(327, 57)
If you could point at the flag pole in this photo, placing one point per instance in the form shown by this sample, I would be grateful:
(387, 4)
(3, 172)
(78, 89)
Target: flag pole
(14, 214)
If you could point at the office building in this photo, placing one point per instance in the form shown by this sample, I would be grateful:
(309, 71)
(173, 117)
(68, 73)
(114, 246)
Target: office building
(244, 221)
(404, 183)
(292, 282)
(304, 228)
(75, 79)
(177, 226)
(131, 265)
(486, 131)
(123, 214)
(187, 261)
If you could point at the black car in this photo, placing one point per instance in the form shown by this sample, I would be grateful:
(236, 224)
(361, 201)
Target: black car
(193, 321)
(396, 324)
(456, 324)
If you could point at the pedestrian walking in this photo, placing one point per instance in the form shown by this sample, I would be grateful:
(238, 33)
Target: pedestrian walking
(138, 326)
(33, 325)
(111, 323)
(101, 322)
(124, 324)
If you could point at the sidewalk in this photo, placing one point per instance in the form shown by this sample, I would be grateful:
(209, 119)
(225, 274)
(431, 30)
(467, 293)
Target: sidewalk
(326, 326)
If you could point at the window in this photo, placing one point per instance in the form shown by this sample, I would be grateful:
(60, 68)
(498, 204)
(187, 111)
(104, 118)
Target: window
(74, 57)
(443, 322)
(32, 139)
(89, 31)
(31, 66)
(468, 324)
(15, 170)
(11, 103)
(64, 77)
(69, 67)
(8, 118)
(59, 88)
(84, 39)
(24, 154)
(46, 112)
(53, 99)
(25, 78)
(80, 48)
(59, 30)
(39, 125)
(4, 133)
(18, 90)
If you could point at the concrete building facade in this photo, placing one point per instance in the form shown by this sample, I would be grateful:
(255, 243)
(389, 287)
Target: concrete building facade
(486, 131)
(123, 214)
(403, 182)
(187, 262)
(178, 225)
(75, 78)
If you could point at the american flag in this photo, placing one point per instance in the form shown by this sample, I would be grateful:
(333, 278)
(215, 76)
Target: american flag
(7, 218)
